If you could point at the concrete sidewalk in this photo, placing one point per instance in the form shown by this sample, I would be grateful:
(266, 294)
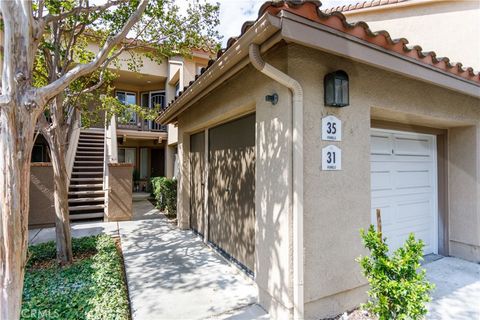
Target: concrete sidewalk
(141, 210)
(457, 292)
(171, 274)
(79, 230)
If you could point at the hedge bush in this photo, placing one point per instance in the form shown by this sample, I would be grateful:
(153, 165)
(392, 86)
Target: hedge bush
(398, 288)
(165, 192)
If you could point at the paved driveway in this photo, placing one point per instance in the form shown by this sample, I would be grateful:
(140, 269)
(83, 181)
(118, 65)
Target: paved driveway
(457, 293)
(171, 274)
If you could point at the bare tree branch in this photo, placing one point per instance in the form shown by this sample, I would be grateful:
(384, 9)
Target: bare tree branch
(49, 91)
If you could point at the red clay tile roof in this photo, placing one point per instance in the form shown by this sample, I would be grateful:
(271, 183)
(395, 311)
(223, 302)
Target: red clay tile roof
(336, 20)
(362, 5)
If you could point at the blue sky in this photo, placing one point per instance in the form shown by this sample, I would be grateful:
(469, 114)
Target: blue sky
(233, 13)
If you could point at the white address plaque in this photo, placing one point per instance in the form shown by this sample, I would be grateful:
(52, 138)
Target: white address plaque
(331, 158)
(331, 129)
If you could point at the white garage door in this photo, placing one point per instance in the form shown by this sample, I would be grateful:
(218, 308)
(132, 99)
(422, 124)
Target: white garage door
(404, 186)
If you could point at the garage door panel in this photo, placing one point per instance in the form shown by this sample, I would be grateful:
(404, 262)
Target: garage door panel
(382, 144)
(413, 179)
(404, 187)
(388, 213)
(381, 180)
(232, 189)
(197, 192)
(412, 146)
(414, 210)
(395, 178)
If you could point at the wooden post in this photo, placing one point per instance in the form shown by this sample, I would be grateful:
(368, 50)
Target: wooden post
(379, 223)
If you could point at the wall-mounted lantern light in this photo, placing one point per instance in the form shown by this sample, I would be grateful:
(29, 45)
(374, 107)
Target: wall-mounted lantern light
(336, 89)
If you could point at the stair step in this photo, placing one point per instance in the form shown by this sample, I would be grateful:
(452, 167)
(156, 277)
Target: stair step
(86, 200)
(86, 153)
(93, 135)
(81, 186)
(89, 162)
(86, 207)
(90, 143)
(86, 179)
(89, 156)
(96, 151)
(89, 148)
(80, 216)
(81, 193)
(86, 173)
(96, 165)
(91, 139)
(82, 167)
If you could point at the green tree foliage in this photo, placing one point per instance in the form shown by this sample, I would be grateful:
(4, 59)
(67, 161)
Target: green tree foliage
(165, 30)
(398, 288)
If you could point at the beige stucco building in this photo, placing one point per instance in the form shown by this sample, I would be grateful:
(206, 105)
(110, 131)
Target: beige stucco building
(283, 198)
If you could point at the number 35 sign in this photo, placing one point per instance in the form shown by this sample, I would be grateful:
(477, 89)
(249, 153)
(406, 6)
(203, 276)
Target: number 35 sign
(331, 158)
(331, 129)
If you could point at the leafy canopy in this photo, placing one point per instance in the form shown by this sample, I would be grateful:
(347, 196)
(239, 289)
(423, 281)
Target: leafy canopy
(164, 30)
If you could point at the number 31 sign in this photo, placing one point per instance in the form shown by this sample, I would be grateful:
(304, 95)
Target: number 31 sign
(331, 158)
(331, 129)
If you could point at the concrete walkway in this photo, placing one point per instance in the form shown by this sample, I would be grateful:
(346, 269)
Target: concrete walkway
(79, 230)
(457, 292)
(171, 274)
(141, 210)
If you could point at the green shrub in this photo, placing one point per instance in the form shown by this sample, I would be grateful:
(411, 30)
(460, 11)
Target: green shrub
(398, 288)
(165, 192)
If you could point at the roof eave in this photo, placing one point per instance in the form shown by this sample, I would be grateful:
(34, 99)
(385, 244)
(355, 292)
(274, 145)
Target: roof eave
(312, 34)
(294, 28)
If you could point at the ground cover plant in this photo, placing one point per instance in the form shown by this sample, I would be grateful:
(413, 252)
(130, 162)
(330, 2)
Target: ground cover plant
(92, 287)
(398, 287)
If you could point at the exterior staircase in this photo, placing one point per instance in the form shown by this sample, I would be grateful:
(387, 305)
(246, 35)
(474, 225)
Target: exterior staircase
(86, 198)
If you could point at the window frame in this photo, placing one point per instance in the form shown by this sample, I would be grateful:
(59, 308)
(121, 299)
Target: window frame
(134, 118)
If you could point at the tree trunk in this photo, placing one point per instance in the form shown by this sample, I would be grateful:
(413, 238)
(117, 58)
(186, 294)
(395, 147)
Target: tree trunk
(16, 143)
(60, 195)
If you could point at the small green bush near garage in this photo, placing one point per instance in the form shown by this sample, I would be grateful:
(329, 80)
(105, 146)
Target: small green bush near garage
(93, 287)
(165, 192)
(398, 287)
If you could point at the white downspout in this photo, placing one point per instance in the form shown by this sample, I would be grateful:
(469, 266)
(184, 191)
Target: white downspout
(297, 189)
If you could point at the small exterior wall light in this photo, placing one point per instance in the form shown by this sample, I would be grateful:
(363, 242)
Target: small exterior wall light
(336, 89)
(273, 98)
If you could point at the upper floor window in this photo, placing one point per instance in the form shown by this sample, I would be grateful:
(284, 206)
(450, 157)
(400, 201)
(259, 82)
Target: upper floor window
(128, 98)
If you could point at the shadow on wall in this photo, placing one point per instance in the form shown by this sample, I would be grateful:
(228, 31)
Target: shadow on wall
(231, 184)
(274, 211)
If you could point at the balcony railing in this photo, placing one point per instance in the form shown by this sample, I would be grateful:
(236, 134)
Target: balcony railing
(149, 100)
(143, 125)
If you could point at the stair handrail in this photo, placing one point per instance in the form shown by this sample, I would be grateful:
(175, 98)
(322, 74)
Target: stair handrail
(74, 136)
